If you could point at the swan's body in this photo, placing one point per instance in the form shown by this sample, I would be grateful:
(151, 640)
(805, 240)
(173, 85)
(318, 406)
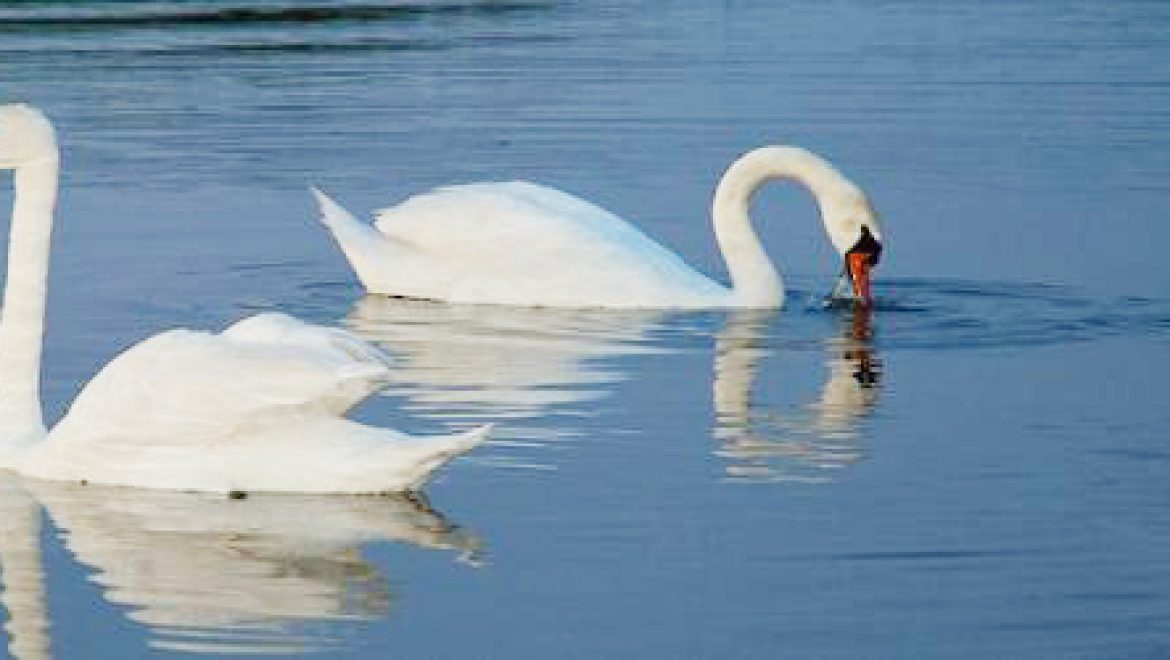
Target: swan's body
(523, 244)
(257, 407)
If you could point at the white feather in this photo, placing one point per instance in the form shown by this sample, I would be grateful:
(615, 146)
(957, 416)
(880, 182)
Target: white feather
(257, 407)
(519, 243)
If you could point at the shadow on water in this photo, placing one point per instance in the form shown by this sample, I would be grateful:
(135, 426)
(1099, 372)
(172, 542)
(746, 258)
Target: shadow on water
(208, 574)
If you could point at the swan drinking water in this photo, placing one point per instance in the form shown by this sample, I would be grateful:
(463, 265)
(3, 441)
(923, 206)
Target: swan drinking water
(258, 407)
(523, 244)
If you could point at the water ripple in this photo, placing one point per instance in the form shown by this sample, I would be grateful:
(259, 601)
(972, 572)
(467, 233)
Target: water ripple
(944, 314)
(47, 16)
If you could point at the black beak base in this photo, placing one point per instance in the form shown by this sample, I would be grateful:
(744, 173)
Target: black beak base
(869, 245)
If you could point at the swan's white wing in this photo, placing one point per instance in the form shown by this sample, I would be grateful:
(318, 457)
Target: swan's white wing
(455, 219)
(520, 240)
(336, 369)
(521, 243)
(183, 383)
(256, 407)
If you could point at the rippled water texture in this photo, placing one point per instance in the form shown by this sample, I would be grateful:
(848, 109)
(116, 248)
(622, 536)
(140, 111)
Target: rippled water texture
(977, 468)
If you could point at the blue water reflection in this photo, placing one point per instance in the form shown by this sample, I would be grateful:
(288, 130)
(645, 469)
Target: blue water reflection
(976, 470)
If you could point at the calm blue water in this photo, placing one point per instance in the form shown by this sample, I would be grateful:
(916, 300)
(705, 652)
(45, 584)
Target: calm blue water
(978, 470)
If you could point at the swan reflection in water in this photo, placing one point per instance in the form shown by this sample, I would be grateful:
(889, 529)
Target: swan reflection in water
(206, 574)
(23, 593)
(461, 363)
(806, 444)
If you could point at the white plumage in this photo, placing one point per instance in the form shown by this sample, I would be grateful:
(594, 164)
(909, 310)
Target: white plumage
(257, 407)
(519, 243)
(514, 243)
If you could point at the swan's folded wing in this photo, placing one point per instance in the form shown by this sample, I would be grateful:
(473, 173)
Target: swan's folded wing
(255, 408)
(183, 386)
(511, 231)
(324, 345)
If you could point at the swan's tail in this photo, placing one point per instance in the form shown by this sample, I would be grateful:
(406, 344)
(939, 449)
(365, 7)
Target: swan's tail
(442, 450)
(333, 215)
(364, 246)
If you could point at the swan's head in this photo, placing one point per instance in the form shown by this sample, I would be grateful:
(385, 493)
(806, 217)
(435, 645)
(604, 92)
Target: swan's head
(25, 136)
(855, 231)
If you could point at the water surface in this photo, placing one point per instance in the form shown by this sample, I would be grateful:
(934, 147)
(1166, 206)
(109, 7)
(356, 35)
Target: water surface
(976, 469)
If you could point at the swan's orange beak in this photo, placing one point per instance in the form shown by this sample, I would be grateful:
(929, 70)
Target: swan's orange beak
(858, 264)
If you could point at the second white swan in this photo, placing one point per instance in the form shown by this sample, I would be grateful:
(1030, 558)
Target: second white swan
(520, 243)
(257, 407)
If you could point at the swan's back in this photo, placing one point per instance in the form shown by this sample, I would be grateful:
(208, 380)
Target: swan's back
(189, 383)
(521, 243)
(256, 407)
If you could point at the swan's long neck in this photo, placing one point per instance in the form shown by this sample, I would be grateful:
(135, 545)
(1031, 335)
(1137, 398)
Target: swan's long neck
(754, 278)
(22, 320)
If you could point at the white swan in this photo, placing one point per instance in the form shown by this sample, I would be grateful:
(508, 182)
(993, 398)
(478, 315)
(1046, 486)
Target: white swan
(523, 244)
(257, 407)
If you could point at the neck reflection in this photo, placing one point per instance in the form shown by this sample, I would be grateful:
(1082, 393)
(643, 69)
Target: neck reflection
(23, 589)
(807, 443)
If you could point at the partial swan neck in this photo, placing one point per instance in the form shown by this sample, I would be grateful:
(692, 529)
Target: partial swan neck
(22, 320)
(755, 280)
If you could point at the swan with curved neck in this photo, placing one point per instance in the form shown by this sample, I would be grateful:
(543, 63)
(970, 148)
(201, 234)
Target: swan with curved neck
(523, 244)
(259, 406)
